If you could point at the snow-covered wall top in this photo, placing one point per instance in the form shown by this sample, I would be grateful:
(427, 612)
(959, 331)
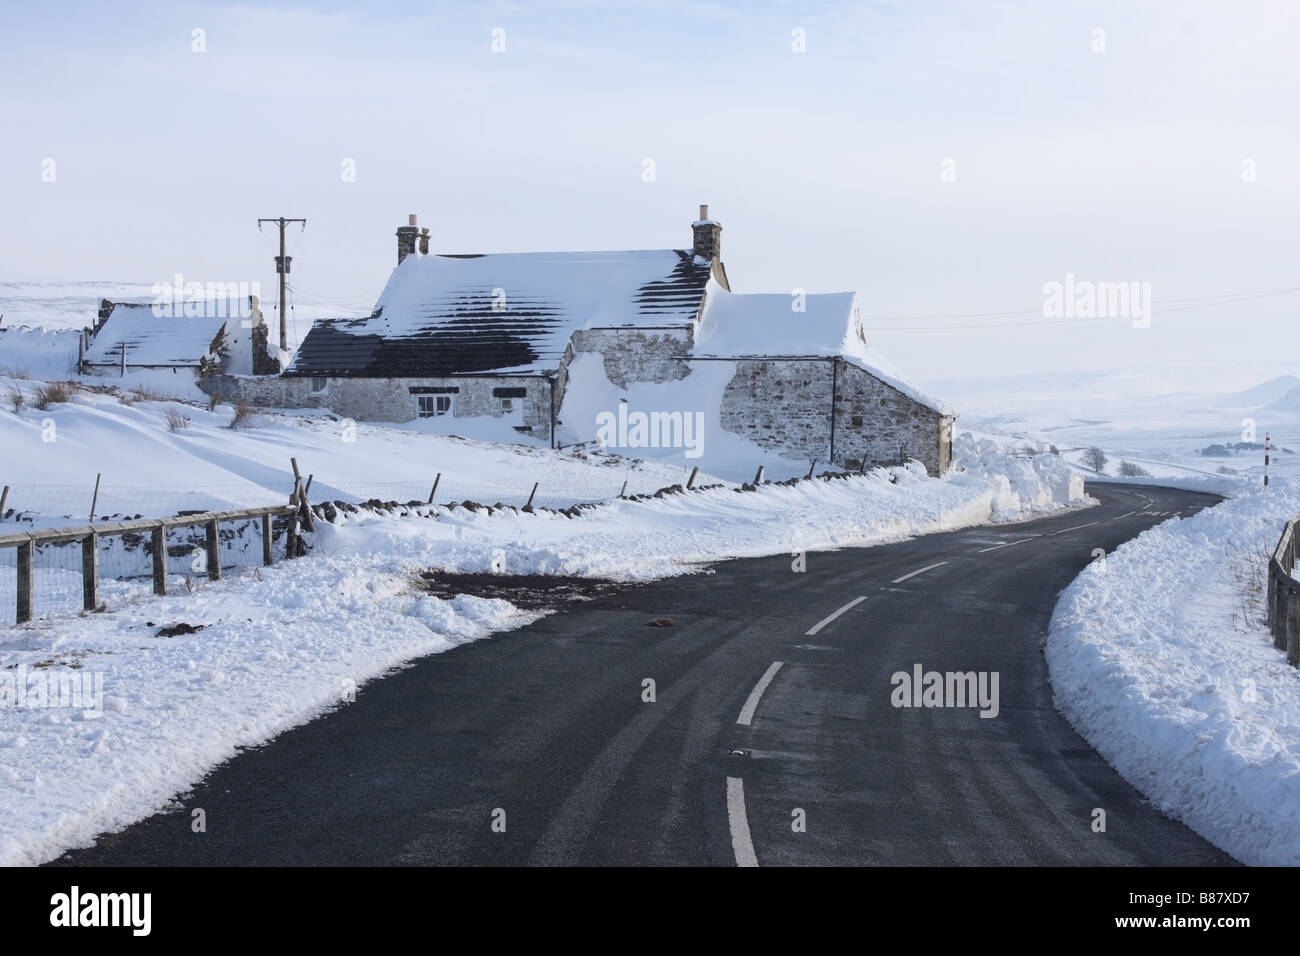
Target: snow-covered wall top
(768, 325)
(440, 315)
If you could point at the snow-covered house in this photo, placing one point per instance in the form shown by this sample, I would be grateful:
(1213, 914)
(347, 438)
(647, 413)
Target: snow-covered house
(217, 337)
(554, 344)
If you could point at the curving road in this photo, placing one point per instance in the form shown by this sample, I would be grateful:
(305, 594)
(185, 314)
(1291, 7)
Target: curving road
(537, 747)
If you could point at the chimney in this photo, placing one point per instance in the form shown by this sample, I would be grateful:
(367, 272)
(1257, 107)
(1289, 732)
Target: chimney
(424, 241)
(708, 236)
(406, 237)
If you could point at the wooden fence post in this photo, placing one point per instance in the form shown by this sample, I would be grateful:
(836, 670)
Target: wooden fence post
(291, 533)
(623, 492)
(758, 476)
(214, 551)
(267, 557)
(158, 538)
(811, 468)
(533, 494)
(95, 498)
(4, 497)
(90, 571)
(26, 551)
(1271, 607)
(1293, 630)
(690, 482)
(304, 508)
(1279, 614)
(434, 490)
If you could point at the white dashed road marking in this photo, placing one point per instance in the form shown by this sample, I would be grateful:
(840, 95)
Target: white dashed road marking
(1076, 527)
(1005, 544)
(741, 842)
(826, 620)
(928, 567)
(751, 703)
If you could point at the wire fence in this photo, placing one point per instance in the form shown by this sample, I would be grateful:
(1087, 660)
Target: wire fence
(125, 567)
(124, 562)
(38, 506)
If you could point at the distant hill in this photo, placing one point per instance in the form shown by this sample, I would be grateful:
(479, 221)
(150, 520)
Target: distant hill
(1267, 393)
(1290, 402)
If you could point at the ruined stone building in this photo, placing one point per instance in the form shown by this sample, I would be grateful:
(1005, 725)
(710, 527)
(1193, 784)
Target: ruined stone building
(202, 337)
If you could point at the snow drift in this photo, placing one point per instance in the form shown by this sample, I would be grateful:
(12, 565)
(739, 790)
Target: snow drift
(1159, 657)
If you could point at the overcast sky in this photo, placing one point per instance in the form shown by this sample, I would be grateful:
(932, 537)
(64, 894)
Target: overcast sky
(826, 167)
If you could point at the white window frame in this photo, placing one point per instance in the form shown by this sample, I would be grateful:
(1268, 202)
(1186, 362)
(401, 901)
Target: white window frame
(324, 387)
(432, 406)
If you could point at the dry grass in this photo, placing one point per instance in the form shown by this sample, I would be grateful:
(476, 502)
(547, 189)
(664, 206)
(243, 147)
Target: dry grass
(53, 394)
(15, 399)
(175, 420)
(146, 394)
(14, 371)
(243, 417)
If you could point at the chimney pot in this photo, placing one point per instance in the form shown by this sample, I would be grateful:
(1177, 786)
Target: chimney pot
(413, 219)
(704, 211)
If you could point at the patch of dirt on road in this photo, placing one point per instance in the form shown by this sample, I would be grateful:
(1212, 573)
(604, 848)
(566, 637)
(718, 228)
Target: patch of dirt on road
(528, 591)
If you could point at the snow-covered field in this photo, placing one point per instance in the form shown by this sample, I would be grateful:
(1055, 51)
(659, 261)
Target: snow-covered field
(1168, 422)
(281, 645)
(1160, 658)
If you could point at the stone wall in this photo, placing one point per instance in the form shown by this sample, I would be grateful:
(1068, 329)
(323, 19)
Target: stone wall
(392, 399)
(630, 355)
(785, 405)
(874, 420)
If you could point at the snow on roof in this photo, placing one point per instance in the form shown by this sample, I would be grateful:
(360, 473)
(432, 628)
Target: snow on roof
(442, 315)
(151, 340)
(744, 325)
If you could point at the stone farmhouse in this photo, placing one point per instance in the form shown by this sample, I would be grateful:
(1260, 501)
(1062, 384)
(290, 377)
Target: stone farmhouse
(530, 339)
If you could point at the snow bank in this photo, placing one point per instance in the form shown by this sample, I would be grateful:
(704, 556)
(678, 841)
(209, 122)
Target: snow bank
(1036, 484)
(38, 353)
(1160, 658)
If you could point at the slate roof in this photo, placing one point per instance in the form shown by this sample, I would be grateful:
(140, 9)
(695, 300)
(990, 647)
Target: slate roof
(504, 313)
(150, 340)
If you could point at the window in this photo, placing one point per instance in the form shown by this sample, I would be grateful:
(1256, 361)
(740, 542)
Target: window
(431, 406)
(319, 383)
(507, 405)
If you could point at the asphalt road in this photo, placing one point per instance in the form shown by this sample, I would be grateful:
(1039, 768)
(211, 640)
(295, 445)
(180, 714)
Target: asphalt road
(538, 747)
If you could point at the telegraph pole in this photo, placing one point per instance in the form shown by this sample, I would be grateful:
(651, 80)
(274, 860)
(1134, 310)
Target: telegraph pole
(282, 269)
